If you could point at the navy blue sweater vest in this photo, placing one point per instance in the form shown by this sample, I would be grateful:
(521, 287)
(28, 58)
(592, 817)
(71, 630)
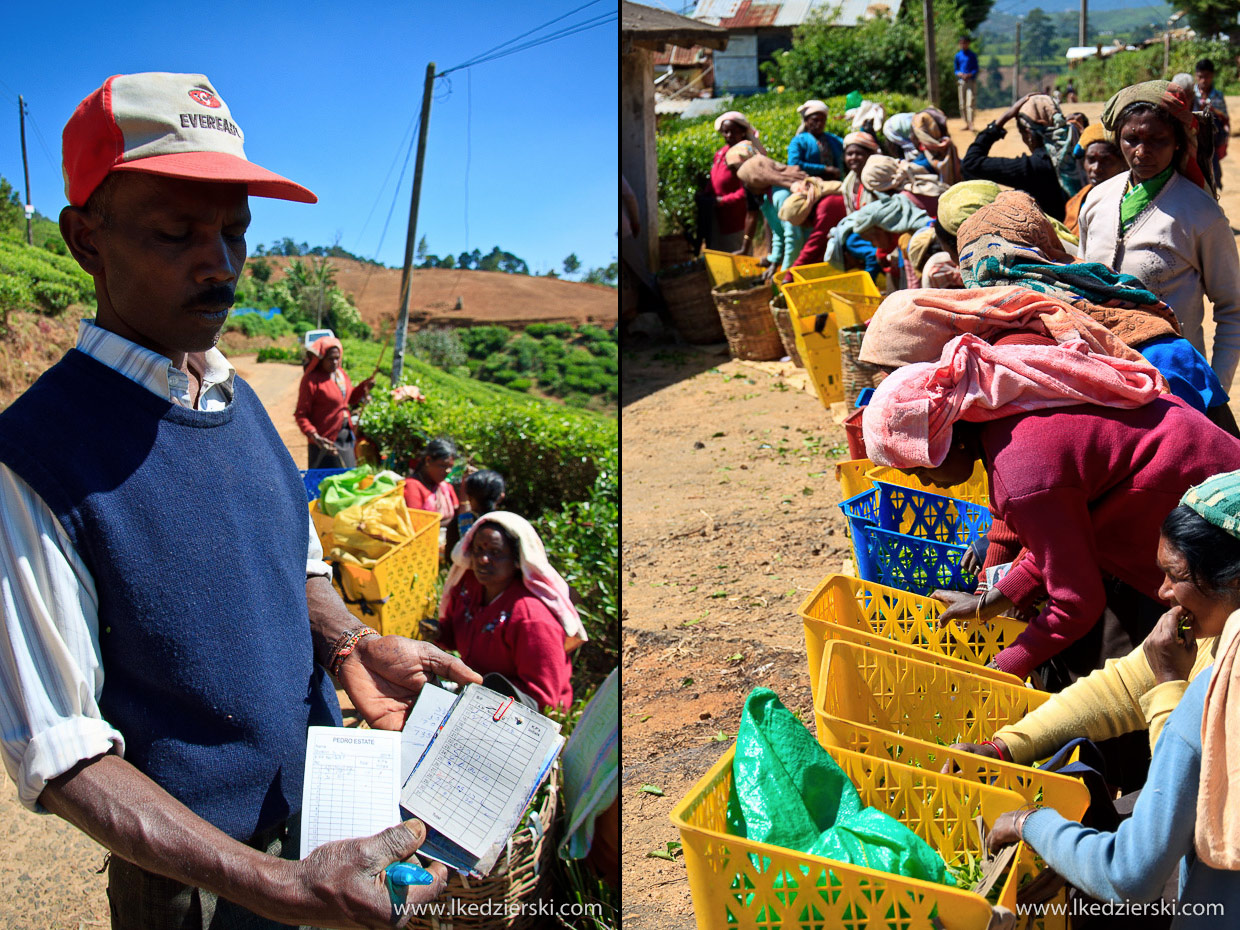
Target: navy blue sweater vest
(194, 527)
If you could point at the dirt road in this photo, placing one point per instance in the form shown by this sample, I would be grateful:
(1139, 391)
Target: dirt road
(276, 385)
(730, 519)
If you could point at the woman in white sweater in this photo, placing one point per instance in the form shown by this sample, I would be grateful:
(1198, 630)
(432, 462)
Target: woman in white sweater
(1160, 221)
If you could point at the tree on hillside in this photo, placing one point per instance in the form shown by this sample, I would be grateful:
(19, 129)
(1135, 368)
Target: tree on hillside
(1037, 36)
(572, 264)
(422, 250)
(260, 270)
(826, 59)
(12, 216)
(1211, 17)
(465, 260)
(974, 12)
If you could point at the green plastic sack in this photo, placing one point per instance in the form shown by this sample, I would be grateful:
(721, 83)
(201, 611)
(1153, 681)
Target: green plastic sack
(336, 492)
(787, 791)
(853, 100)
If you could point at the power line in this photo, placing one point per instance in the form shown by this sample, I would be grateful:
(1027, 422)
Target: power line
(478, 58)
(564, 33)
(395, 195)
(391, 168)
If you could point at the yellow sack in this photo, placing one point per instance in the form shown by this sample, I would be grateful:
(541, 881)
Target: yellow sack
(366, 532)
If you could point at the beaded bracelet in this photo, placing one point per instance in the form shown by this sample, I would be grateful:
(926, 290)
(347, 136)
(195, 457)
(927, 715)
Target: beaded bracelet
(345, 645)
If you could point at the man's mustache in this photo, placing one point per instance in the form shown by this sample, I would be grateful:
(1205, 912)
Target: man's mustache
(213, 298)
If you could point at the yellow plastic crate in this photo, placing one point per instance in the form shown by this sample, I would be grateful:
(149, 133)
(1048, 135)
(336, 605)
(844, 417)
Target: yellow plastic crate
(845, 608)
(398, 593)
(922, 700)
(1068, 796)
(739, 883)
(724, 266)
(802, 273)
(857, 475)
(818, 307)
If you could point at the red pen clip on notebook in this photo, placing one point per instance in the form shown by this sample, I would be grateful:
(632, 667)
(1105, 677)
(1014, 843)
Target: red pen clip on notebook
(502, 709)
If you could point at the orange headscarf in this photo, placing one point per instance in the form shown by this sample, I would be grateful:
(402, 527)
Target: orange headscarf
(319, 348)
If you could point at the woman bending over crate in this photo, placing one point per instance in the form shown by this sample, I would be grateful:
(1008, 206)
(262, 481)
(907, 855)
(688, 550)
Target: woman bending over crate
(1190, 817)
(506, 608)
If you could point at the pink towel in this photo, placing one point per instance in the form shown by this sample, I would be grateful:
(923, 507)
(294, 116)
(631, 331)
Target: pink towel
(914, 326)
(908, 423)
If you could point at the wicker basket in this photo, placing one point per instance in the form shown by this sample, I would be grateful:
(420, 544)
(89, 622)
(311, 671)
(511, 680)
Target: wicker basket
(674, 250)
(686, 288)
(787, 335)
(494, 902)
(744, 307)
(858, 375)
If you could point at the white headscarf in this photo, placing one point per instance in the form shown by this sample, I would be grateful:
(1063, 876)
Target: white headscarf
(543, 581)
(807, 108)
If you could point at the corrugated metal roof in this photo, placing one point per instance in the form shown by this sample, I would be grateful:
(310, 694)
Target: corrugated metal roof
(679, 57)
(752, 14)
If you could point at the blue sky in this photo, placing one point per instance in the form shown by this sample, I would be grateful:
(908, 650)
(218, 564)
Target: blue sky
(521, 151)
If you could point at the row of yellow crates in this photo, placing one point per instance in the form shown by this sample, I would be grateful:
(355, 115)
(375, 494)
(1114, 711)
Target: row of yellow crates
(892, 690)
(821, 301)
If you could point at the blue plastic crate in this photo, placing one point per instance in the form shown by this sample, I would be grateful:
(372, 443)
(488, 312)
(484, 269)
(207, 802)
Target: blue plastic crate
(911, 539)
(312, 476)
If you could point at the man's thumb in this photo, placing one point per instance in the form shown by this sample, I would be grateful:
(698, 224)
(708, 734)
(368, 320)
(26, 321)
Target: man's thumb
(402, 841)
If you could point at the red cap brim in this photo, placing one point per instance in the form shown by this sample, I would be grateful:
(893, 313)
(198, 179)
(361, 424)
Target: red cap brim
(221, 168)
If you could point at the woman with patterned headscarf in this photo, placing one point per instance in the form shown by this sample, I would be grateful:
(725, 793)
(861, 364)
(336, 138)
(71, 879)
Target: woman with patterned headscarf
(818, 153)
(930, 134)
(1011, 242)
(1159, 222)
(1036, 173)
(1189, 820)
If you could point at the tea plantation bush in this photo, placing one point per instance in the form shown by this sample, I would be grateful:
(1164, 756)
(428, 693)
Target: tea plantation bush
(558, 359)
(560, 466)
(686, 147)
(41, 280)
(1098, 80)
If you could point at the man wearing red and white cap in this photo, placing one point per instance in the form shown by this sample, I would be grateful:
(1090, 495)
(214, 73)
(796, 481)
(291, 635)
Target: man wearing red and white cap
(166, 613)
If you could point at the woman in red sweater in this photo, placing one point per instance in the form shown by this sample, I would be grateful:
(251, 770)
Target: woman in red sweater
(731, 203)
(507, 611)
(323, 403)
(428, 488)
(1084, 489)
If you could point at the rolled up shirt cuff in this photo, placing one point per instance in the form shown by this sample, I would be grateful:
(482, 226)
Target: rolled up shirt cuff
(54, 751)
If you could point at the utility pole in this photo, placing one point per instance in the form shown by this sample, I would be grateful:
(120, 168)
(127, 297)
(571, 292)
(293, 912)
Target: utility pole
(1016, 70)
(406, 280)
(1083, 31)
(21, 109)
(932, 68)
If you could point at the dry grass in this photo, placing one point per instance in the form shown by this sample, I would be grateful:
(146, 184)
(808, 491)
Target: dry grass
(31, 345)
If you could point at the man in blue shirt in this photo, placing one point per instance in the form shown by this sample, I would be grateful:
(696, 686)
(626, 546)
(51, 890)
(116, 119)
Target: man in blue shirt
(966, 81)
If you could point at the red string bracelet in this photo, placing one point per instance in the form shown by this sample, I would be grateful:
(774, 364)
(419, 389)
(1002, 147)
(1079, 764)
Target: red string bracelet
(1003, 757)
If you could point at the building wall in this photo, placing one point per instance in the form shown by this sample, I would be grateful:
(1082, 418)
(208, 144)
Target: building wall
(736, 67)
(638, 160)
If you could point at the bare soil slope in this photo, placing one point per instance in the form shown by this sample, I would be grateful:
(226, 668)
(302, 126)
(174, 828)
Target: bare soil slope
(486, 296)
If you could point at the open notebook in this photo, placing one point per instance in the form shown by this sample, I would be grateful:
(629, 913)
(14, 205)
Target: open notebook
(467, 765)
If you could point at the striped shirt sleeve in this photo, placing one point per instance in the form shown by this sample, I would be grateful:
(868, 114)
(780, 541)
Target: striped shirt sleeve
(51, 674)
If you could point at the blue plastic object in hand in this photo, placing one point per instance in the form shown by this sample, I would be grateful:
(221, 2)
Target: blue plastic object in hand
(406, 873)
